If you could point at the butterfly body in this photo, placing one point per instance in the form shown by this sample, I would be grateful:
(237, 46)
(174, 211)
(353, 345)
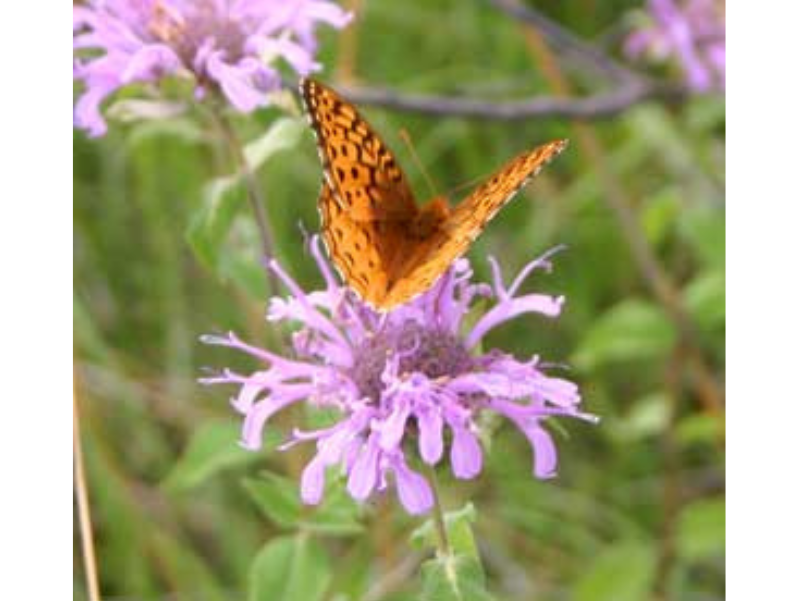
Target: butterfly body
(385, 247)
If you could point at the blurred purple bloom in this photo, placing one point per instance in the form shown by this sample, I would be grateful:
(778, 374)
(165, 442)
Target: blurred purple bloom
(229, 45)
(693, 32)
(401, 379)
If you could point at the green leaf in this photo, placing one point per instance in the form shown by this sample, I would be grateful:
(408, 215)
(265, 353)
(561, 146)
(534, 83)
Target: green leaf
(284, 134)
(701, 529)
(277, 497)
(210, 224)
(699, 428)
(289, 568)
(338, 514)
(454, 578)
(632, 330)
(705, 229)
(238, 266)
(659, 215)
(648, 417)
(622, 572)
(222, 197)
(181, 562)
(705, 299)
(458, 526)
(212, 448)
(183, 129)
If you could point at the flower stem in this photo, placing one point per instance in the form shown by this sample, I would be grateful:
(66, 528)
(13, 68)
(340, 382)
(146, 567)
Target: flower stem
(255, 197)
(443, 545)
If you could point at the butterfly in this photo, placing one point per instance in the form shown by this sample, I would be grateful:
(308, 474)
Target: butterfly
(385, 247)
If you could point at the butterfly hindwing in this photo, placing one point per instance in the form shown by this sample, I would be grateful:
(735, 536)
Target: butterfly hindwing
(366, 253)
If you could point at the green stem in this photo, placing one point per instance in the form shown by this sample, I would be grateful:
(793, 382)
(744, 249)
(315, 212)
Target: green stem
(443, 545)
(255, 197)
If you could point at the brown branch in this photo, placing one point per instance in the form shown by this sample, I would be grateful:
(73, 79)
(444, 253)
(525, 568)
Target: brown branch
(566, 42)
(596, 106)
(630, 88)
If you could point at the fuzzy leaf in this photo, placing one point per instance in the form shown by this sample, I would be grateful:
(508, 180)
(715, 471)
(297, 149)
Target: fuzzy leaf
(289, 568)
(276, 496)
(454, 578)
(701, 529)
(622, 572)
(213, 448)
(632, 330)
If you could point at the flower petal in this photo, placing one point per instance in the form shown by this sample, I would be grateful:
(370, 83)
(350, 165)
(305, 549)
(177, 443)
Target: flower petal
(466, 456)
(312, 481)
(545, 458)
(151, 62)
(414, 491)
(363, 475)
(430, 425)
(236, 84)
(394, 426)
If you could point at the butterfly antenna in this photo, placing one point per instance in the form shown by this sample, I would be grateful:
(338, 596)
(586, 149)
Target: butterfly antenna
(468, 184)
(407, 139)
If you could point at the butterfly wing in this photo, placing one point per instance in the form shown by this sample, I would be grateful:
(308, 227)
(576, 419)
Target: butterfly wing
(361, 171)
(435, 254)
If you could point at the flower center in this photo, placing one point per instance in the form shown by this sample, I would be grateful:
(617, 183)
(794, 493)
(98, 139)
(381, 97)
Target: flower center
(432, 352)
(187, 32)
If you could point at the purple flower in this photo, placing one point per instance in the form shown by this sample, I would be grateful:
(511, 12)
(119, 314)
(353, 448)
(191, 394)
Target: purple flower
(226, 45)
(691, 31)
(411, 378)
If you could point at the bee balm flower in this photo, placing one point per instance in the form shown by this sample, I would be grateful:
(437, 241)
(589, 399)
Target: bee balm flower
(228, 45)
(400, 381)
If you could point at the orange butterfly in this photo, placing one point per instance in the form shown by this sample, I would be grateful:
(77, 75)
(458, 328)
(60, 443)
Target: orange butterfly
(386, 248)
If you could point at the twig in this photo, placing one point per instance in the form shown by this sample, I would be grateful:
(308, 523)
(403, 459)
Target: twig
(84, 513)
(566, 42)
(597, 106)
(670, 474)
(630, 88)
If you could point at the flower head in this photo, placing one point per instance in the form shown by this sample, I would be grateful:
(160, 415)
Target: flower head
(400, 381)
(227, 45)
(691, 31)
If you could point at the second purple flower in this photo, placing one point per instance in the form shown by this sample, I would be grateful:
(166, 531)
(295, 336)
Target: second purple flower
(226, 45)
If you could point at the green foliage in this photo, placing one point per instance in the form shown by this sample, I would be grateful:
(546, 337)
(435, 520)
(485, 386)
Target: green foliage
(633, 330)
(701, 530)
(621, 572)
(223, 197)
(289, 568)
(457, 575)
(454, 578)
(459, 529)
(212, 448)
(278, 498)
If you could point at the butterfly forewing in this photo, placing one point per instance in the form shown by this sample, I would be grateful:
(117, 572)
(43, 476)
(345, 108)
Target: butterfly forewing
(466, 221)
(361, 170)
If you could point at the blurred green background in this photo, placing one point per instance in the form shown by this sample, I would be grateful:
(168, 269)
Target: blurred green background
(637, 511)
